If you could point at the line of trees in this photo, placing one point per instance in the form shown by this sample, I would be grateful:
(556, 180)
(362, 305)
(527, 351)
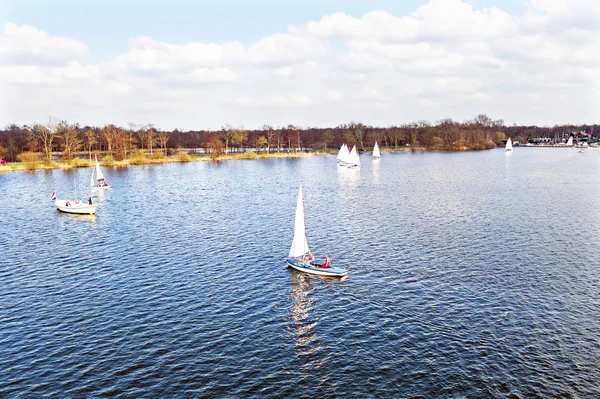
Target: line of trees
(73, 140)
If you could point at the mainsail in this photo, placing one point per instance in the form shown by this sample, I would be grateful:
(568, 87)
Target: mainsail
(570, 141)
(353, 157)
(299, 245)
(99, 175)
(376, 153)
(340, 155)
(509, 144)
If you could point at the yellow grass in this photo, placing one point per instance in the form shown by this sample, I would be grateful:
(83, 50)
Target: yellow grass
(140, 159)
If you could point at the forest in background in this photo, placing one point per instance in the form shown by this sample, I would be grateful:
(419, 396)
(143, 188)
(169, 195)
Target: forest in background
(72, 140)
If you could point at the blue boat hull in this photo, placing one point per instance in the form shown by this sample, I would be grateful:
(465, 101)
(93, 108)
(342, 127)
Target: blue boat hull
(306, 267)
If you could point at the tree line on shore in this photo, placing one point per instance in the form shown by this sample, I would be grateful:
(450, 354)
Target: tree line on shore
(73, 140)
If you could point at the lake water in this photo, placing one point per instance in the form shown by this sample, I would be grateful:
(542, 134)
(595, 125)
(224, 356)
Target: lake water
(472, 274)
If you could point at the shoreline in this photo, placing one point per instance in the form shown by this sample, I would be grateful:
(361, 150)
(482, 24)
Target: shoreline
(88, 163)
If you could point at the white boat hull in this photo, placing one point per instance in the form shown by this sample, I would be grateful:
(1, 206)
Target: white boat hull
(315, 271)
(80, 208)
(96, 188)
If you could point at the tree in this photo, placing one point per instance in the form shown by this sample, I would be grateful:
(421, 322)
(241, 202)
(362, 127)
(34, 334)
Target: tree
(499, 137)
(45, 135)
(90, 139)
(239, 137)
(261, 142)
(151, 135)
(226, 135)
(358, 130)
(163, 138)
(214, 146)
(270, 135)
(326, 138)
(142, 134)
(71, 143)
(109, 134)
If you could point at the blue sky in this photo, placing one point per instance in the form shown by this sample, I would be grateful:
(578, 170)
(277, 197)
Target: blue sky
(197, 64)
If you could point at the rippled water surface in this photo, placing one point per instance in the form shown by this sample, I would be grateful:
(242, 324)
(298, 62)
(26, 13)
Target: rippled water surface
(471, 275)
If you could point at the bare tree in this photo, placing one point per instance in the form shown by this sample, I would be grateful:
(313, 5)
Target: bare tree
(90, 138)
(151, 135)
(71, 142)
(109, 134)
(239, 137)
(226, 134)
(163, 138)
(45, 135)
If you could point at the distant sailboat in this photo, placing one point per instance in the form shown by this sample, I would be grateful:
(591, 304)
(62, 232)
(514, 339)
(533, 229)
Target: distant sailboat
(343, 160)
(376, 153)
(570, 142)
(509, 145)
(342, 155)
(100, 183)
(353, 159)
(300, 258)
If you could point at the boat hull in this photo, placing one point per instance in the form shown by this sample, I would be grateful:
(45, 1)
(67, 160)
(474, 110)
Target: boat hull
(75, 208)
(319, 271)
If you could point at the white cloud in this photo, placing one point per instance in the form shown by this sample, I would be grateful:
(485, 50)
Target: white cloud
(446, 56)
(284, 49)
(27, 45)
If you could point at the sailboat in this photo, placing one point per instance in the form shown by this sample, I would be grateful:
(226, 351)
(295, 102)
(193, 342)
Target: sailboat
(343, 155)
(509, 145)
(300, 258)
(76, 207)
(353, 159)
(99, 183)
(570, 142)
(376, 153)
(340, 155)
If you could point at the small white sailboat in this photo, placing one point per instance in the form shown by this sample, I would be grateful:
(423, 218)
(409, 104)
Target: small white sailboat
(340, 154)
(509, 145)
(353, 159)
(100, 183)
(75, 207)
(376, 152)
(570, 142)
(343, 155)
(300, 258)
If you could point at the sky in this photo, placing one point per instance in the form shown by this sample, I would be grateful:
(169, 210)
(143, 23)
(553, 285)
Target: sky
(201, 64)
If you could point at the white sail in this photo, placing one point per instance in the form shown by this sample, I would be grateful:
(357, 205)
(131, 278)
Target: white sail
(509, 144)
(376, 153)
(99, 175)
(299, 245)
(570, 141)
(345, 154)
(353, 159)
(92, 179)
(340, 154)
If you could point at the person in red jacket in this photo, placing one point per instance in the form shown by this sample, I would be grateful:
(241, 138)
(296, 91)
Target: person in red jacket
(327, 263)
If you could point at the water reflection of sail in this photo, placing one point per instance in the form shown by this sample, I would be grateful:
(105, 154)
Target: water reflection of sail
(375, 165)
(348, 177)
(307, 345)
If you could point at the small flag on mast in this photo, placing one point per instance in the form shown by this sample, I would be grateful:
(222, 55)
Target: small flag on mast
(53, 196)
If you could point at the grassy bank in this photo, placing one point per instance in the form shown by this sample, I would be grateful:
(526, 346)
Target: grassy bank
(137, 159)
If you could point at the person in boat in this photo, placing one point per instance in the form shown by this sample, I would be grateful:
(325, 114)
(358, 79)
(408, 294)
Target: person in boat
(327, 263)
(67, 203)
(90, 201)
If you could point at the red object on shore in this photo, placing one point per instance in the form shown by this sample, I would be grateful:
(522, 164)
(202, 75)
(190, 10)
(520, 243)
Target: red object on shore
(3, 162)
